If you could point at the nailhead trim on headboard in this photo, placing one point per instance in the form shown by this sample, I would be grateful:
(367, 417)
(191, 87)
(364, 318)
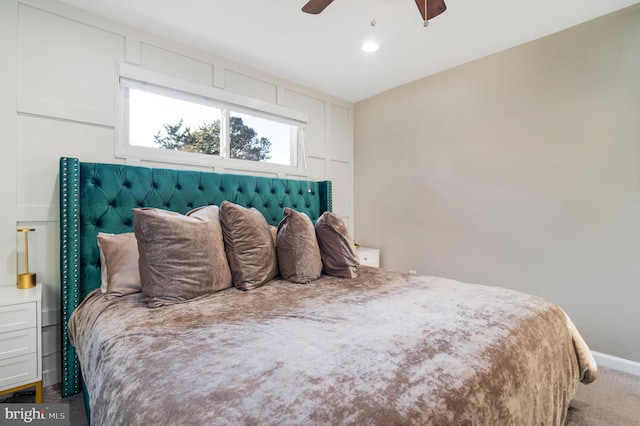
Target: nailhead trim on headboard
(69, 268)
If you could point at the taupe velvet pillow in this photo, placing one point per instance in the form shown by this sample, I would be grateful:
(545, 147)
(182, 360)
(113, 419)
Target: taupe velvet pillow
(119, 261)
(181, 256)
(222, 273)
(249, 246)
(297, 248)
(103, 270)
(339, 257)
(274, 233)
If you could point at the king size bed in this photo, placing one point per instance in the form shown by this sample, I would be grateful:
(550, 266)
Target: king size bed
(336, 343)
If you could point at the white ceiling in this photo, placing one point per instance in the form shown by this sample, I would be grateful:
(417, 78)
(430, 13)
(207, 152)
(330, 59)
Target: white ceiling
(323, 51)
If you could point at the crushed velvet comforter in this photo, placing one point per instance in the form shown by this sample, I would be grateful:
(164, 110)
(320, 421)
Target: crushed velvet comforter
(384, 348)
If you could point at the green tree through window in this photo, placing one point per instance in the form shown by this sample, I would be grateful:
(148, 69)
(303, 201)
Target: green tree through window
(243, 140)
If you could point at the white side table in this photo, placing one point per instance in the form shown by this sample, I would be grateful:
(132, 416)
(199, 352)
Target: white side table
(369, 256)
(21, 340)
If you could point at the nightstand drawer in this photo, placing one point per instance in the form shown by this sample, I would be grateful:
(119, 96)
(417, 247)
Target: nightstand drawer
(17, 317)
(17, 370)
(369, 256)
(16, 343)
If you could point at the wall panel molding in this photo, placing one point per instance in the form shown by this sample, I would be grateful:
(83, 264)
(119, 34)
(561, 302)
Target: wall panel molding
(50, 109)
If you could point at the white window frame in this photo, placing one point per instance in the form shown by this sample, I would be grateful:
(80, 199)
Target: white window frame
(136, 77)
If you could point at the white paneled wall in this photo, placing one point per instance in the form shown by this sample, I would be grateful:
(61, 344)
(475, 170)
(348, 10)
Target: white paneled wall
(164, 61)
(249, 86)
(60, 73)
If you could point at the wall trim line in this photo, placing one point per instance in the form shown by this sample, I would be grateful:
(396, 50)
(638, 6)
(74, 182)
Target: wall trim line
(617, 363)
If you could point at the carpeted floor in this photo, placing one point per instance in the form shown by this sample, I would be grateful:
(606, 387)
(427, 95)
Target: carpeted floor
(612, 400)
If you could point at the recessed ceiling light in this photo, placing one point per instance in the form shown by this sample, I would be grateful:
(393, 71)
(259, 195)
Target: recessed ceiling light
(369, 46)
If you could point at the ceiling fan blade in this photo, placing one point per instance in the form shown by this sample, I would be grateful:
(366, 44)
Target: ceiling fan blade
(434, 8)
(316, 6)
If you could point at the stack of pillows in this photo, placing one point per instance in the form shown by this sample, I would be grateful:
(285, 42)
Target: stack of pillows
(172, 257)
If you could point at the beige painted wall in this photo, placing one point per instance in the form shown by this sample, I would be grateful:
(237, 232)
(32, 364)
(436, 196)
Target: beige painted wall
(520, 170)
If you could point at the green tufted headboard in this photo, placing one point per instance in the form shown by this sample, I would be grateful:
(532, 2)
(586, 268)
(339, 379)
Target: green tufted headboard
(96, 197)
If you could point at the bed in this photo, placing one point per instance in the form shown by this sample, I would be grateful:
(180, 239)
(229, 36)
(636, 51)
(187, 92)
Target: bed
(374, 347)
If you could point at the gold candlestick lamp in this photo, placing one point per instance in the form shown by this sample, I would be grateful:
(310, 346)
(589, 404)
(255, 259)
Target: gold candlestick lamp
(28, 279)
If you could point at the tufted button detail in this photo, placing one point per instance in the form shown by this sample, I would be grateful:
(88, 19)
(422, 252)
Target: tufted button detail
(178, 187)
(200, 187)
(126, 184)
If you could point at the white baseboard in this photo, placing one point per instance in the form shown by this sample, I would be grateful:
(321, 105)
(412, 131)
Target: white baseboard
(50, 377)
(616, 363)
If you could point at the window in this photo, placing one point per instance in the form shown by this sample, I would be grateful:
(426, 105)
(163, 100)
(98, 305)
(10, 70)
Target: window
(274, 141)
(168, 119)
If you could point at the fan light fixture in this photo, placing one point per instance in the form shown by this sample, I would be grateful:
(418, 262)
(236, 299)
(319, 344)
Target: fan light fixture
(429, 9)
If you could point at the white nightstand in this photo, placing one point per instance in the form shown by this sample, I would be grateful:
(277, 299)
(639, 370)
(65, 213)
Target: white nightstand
(369, 256)
(21, 340)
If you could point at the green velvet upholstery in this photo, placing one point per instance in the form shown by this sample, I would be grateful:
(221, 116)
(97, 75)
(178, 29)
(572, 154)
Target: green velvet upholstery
(96, 197)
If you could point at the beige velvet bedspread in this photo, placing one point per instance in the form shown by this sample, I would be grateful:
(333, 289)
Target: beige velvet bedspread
(384, 348)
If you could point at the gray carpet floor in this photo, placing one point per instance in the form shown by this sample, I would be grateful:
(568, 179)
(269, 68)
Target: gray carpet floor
(612, 400)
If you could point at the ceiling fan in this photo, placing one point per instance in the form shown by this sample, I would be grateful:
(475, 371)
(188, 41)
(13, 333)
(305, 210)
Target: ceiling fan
(429, 9)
